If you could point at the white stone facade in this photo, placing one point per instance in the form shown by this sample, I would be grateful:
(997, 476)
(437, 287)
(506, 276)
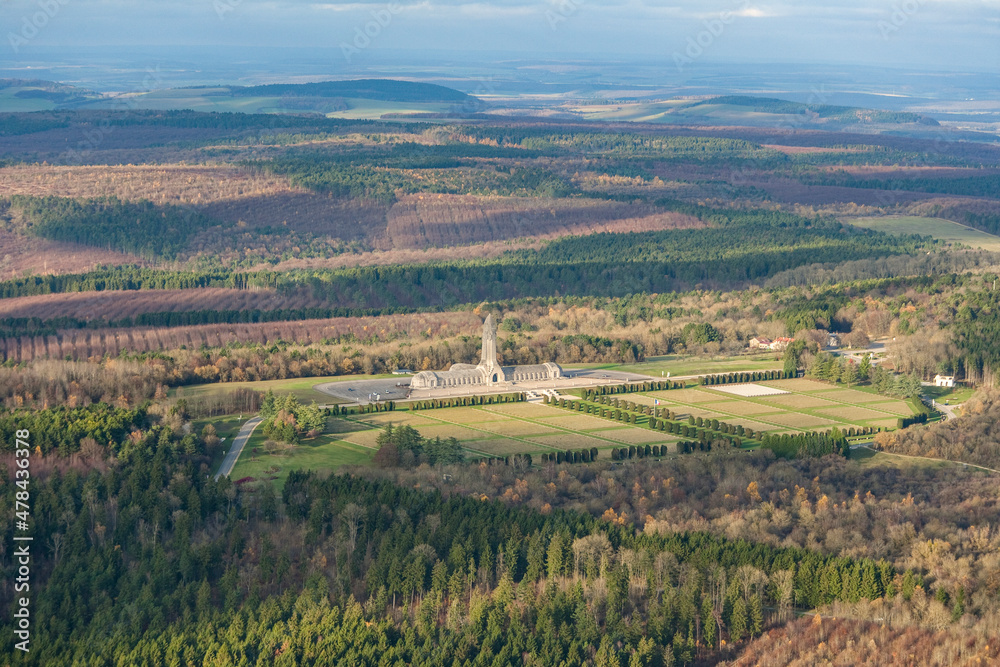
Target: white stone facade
(488, 373)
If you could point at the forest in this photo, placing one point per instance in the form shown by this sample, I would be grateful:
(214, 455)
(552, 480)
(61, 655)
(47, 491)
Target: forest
(433, 576)
(157, 267)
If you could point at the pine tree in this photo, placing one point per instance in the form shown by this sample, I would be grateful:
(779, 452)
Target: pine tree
(756, 616)
(708, 625)
(738, 620)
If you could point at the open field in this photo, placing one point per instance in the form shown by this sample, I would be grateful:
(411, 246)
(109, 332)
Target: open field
(943, 230)
(869, 458)
(323, 453)
(507, 429)
(301, 388)
(811, 405)
(953, 395)
(678, 365)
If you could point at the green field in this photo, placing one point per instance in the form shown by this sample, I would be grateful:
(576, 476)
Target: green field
(301, 388)
(505, 429)
(950, 396)
(869, 458)
(680, 365)
(534, 428)
(219, 100)
(324, 453)
(943, 230)
(808, 406)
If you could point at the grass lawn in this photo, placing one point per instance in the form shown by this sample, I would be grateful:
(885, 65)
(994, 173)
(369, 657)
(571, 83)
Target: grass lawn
(506, 429)
(809, 405)
(938, 228)
(323, 453)
(301, 388)
(678, 365)
(868, 458)
(953, 395)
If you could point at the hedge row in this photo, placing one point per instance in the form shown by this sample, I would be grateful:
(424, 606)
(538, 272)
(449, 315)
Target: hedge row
(488, 399)
(654, 385)
(382, 406)
(743, 378)
(520, 460)
(571, 456)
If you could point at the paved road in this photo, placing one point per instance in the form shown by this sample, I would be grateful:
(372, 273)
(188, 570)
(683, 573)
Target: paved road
(948, 410)
(237, 448)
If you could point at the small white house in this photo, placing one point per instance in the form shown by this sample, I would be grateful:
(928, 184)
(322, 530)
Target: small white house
(944, 380)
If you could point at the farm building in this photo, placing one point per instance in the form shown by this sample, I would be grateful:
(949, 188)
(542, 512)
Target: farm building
(760, 343)
(488, 372)
(780, 343)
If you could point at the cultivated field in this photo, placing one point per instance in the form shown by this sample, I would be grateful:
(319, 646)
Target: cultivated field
(944, 230)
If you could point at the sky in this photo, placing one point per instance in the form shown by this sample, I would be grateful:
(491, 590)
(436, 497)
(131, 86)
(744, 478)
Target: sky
(921, 34)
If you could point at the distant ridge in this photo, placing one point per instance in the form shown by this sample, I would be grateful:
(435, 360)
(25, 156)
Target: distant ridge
(389, 90)
(828, 111)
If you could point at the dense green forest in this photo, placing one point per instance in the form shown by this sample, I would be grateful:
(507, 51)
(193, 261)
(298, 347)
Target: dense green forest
(983, 185)
(161, 565)
(977, 336)
(381, 177)
(740, 247)
(608, 265)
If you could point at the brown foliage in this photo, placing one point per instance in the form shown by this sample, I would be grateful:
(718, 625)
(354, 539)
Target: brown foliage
(973, 438)
(825, 641)
(113, 305)
(21, 255)
(160, 184)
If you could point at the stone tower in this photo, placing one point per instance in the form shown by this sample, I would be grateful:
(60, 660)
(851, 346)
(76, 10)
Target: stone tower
(488, 361)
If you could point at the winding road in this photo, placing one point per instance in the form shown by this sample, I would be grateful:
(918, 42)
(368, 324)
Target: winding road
(237, 448)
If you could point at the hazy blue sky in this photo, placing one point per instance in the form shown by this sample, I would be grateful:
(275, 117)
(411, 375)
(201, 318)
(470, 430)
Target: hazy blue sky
(939, 34)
